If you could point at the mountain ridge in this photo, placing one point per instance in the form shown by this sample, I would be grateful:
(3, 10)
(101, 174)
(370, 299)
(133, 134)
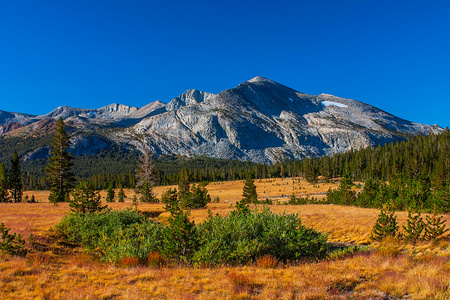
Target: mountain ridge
(259, 120)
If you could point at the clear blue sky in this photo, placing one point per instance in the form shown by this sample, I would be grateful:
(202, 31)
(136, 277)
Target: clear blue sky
(392, 54)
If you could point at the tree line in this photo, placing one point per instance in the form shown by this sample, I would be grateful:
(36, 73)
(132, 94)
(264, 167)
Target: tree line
(415, 172)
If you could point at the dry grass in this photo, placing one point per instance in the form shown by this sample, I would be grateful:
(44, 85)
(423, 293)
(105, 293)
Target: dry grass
(52, 271)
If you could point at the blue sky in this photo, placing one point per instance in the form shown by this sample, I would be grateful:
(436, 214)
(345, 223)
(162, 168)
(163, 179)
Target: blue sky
(394, 55)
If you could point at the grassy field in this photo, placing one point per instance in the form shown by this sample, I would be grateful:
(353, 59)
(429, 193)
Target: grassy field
(54, 271)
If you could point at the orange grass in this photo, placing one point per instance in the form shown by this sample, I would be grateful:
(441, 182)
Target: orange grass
(52, 271)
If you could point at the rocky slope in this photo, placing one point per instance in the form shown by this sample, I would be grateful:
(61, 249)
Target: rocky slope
(259, 120)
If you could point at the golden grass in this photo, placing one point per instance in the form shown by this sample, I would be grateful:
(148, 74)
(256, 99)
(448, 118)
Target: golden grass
(363, 276)
(52, 271)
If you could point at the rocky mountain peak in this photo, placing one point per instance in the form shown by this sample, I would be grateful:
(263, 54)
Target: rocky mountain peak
(190, 97)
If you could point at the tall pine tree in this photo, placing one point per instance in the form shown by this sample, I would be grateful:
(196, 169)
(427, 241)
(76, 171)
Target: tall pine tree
(15, 179)
(59, 170)
(3, 184)
(249, 191)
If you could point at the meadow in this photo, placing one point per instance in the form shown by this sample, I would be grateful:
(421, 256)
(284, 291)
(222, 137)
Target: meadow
(385, 270)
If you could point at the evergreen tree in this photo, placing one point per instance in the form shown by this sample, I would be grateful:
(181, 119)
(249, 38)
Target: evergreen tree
(110, 193)
(310, 171)
(135, 202)
(183, 185)
(3, 184)
(386, 224)
(415, 227)
(198, 197)
(435, 227)
(121, 195)
(180, 239)
(249, 191)
(85, 199)
(59, 170)
(15, 179)
(170, 198)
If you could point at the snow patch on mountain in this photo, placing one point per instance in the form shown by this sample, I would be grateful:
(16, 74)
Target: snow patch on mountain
(331, 103)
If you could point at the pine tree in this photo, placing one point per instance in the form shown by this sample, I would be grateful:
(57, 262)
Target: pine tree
(121, 195)
(198, 197)
(180, 239)
(15, 179)
(386, 224)
(85, 199)
(249, 191)
(348, 196)
(170, 198)
(110, 193)
(3, 184)
(415, 227)
(435, 227)
(183, 186)
(59, 170)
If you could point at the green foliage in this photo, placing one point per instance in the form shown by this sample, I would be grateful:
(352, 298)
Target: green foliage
(170, 198)
(242, 237)
(347, 251)
(183, 186)
(311, 172)
(386, 224)
(343, 195)
(121, 195)
(15, 179)
(4, 194)
(113, 234)
(435, 227)
(135, 202)
(241, 207)
(198, 197)
(293, 200)
(179, 240)
(238, 238)
(59, 169)
(110, 194)
(415, 227)
(12, 243)
(249, 191)
(85, 199)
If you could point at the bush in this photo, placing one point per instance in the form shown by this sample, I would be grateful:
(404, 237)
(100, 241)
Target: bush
(113, 234)
(125, 236)
(12, 243)
(242, 237)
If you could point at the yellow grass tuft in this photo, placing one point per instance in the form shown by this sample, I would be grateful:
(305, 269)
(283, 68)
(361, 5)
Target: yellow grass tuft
(267, 261)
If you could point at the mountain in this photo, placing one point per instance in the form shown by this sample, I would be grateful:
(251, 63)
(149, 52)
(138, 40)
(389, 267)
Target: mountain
(259, 120)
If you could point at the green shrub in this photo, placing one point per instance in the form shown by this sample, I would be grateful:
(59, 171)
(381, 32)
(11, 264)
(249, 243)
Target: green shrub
(113, 234)
(12, 243)
(238, 238)
(242, 237)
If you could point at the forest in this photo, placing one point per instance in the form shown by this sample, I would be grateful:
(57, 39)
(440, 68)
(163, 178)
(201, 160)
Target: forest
(414, 173)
